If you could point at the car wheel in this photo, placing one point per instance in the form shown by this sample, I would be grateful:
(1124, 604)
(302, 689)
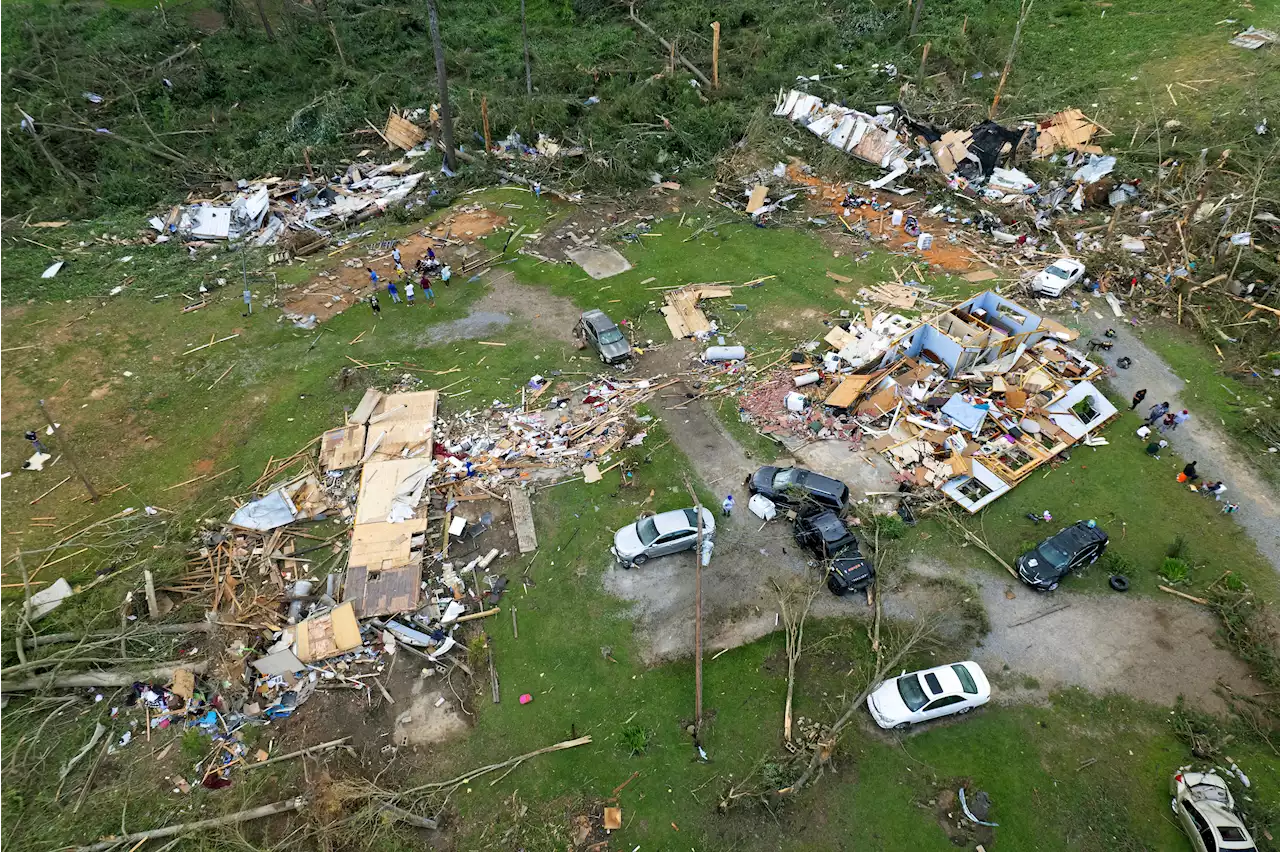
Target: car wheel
(836, 589)
(640, 559)
(902, 726)
(962, 712)
(1052, 587)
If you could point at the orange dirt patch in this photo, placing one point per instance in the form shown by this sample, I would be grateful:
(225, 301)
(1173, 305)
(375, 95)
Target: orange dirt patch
(469, 225)
(941, 254)
(341, 286)
(203, 466)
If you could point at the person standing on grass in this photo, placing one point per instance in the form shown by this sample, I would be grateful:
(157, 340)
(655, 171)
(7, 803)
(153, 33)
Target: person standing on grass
(446, 274)
(1181, 417)
(393, 291)
(727, 506)
(373, 303)
(408, 291)
(395, 256)
(427, 292)
(1156, 412)
(1138, 398)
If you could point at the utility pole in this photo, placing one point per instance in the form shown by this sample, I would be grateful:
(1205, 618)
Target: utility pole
(524, 31)
(446, 114)
(65, 447)
(697, 620)
(1013, 51)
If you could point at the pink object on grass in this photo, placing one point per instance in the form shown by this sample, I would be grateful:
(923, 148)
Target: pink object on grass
(526, 698)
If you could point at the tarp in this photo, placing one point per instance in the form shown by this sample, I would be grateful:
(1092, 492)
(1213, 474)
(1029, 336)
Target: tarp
(964, 414)
(266, 513)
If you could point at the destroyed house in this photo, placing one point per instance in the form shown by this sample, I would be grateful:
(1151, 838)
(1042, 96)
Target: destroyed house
(973, 399)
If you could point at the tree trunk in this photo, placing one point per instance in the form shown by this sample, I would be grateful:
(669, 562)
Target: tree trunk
(915, 17)
(442, 79)
(173, 830)
(322, 9)
(524, 31)
(115, 677)
(266, 24)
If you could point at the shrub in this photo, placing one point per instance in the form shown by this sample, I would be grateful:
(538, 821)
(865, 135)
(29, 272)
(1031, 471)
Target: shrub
(1178, 549)
(888, 526)
(635, 740)
(1175, 570)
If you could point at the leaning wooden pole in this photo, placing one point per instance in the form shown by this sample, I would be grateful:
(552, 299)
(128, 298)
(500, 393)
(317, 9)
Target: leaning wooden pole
(442, 79)
(697, 618)
(1013, 51)
(715, 55)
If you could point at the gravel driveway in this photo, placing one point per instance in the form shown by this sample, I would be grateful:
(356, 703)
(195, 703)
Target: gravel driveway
(1202, 438)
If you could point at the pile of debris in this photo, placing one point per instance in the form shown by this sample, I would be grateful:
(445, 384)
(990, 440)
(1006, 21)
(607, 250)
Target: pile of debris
(968, 401)
(274, 210)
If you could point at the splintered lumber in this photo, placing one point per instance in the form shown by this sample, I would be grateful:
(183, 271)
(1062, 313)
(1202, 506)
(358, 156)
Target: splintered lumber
(483, 614)
(210, 343)
(160, 630)
(114, 677)
(236, 818)
(298, 753)
(522, 518)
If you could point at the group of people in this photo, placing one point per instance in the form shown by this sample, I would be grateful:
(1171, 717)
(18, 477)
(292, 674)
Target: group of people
(1163, 418)
(426, 266)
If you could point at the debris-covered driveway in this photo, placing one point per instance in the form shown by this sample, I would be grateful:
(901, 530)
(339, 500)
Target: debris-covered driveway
(1201, 439)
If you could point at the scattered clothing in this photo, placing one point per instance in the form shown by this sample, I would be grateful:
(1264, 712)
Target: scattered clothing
(1230, 508)
(1138, 398)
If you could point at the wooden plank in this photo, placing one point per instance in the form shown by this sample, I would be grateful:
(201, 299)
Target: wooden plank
(835, 276)
(368, 404)
(522, 519)
(757, 198)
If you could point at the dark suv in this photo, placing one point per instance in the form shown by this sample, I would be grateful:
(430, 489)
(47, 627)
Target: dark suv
(1075, 547)
(800, 489)
(601, 334)
(825, 536)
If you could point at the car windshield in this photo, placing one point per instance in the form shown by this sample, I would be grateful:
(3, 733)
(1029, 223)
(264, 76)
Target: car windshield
(647, 530)
(612, 335)
(1231, 834)
(966, 679)
(1053, 554)
(1058, 272)
(785, 478)
(912, 695)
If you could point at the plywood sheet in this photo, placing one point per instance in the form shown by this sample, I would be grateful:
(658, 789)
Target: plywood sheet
(409, 420)
(342, 448)
(847, 391)
(368, 404)
(756, 200)
(403, 133)
(379, 481)
(382, 545)
(328, 635)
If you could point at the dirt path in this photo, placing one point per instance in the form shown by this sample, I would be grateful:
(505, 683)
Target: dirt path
(1152, 650)
(1202, 439)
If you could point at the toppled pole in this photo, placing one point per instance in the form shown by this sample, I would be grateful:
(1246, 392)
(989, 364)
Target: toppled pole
(141, 837)
(111, 677)
(671, 48)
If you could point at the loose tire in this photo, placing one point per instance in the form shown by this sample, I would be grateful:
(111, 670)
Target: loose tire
(1119, 582)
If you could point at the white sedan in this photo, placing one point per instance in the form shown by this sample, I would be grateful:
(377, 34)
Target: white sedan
(1054, 279)
(659, 535)
(1204, 806)
(920, 696)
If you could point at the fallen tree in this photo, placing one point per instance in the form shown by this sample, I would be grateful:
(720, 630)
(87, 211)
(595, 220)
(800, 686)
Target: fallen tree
(107, 677)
